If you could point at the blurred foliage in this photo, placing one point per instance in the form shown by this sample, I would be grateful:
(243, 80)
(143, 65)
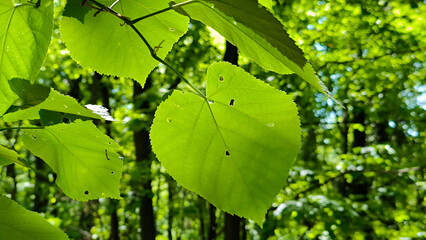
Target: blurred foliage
(360, 173)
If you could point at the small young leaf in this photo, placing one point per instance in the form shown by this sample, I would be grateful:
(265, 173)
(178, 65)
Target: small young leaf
(106, 45)
(77, 153)
(24, 42)
(237, 156)
(17, 222)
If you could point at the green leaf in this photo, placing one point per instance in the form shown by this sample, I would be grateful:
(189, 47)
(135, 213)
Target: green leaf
(84, 159)
(44, 98)
(8, 156)
(109, 47)
(266, 3)
(30, 93)
(25, 33)
(257, 34)
(75, 10)
(235, 149)
(17, 222)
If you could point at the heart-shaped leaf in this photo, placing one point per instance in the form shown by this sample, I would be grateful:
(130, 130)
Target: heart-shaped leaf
(234, 149)
(103, 43)
(84, 159)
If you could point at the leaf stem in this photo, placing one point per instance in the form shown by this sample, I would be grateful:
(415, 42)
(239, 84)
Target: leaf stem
(163, 10)
(19, 128)
(150, 48)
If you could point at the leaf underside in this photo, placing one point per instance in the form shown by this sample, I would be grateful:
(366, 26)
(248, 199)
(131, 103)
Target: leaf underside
(25, 33)
(84, 159)
(18, 223)
(257, 34)
(235, 149)
(109, 47)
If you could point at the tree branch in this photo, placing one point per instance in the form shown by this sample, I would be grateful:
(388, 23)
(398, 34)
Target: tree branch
(130, 23)
(318, 185)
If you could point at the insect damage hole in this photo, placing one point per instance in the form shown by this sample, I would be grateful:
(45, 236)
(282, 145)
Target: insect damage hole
(221, 78)
(86, 192)
(112, 172)
(232, 102)
(34, 137)
(169, 120)
(227, 153)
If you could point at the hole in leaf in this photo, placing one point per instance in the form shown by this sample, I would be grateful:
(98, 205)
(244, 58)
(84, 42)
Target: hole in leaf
(231, 103)
(169, 120)
(171, 29)
(227, 153)
(270, 124)
(34, 137)
(221, 78)
(112, 172)
(211, 101)
(86, 192)
(65, 106)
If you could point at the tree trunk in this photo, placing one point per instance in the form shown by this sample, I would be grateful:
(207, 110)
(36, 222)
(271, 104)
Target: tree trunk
(143, 151)
(232, 223)
(213, 224)
(171, 187)
(114, 221)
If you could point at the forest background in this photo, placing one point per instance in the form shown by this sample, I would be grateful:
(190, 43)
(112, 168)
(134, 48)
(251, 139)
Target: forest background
(359, 174)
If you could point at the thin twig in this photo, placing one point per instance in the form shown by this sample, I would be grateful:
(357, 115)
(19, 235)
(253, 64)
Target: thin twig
(130, 23)
(163, 10)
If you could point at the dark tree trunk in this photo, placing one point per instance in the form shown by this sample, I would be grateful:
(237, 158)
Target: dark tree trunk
(201, 207)
(10, 172)
(359, 117)
(114, 221)
(171, 187)
(213, 224)
(143, 159)
(41, 197)
(232, 223)
(232, 227)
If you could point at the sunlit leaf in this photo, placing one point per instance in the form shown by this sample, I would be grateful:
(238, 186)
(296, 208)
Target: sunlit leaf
(17, 222)
(25, 33)
(106, 45)
(44, 98)
(256, 33)
(235, 149)
(85, 160)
